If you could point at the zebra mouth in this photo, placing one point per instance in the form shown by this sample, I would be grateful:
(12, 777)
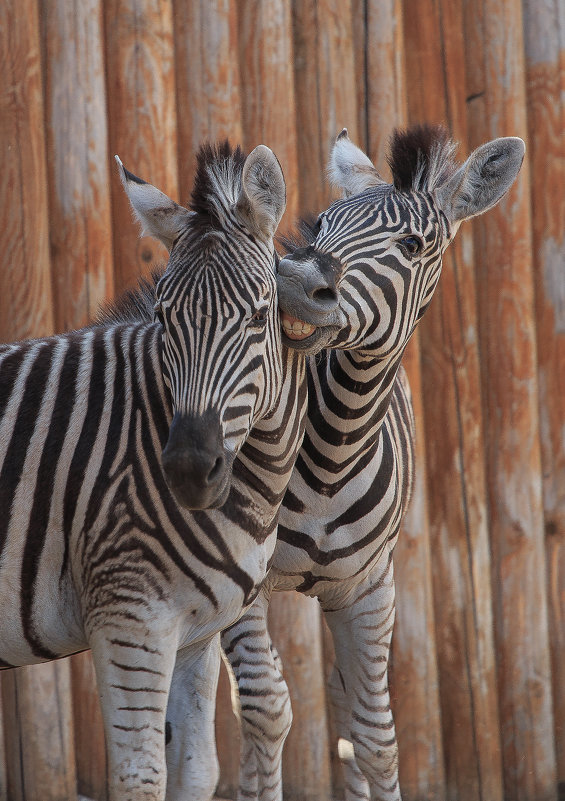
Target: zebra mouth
(296, 329)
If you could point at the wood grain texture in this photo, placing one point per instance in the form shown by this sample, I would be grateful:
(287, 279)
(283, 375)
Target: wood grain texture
(294, 623)
(323, 38)
(142, 120)
(39, 753)
(503, 254)
(77, 158)
(207, 80)
(267, 88)
(25, 279)
(90, 745)
(454, 442)
(544, 33)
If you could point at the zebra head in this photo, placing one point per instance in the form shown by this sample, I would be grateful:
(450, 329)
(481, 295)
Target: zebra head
(380, 247)
(216, 304)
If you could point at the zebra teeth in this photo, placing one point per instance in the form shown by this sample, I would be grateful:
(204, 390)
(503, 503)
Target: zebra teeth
(294, 328)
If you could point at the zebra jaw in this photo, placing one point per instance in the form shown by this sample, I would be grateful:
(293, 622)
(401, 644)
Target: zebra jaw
(295, 328)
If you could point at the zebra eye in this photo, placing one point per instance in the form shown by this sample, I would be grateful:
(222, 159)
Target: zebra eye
(411, 244)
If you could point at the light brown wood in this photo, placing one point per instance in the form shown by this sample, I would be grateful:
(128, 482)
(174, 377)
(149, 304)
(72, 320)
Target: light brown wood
(77, 159)
(39, 752)
(207, 79)
(503, 254)
(90, 746)
(545, 86)
(434, 46)
(267, 88)
(295, 626)
(25, 279)
(324, 76)
(142, 120)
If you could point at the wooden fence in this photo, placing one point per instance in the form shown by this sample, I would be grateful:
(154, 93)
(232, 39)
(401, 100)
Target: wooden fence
(478, 676)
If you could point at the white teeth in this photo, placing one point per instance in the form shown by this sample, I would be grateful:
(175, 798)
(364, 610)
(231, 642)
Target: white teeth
(296, 329)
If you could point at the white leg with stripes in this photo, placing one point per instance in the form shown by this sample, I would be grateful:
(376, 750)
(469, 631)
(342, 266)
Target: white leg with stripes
(362, 634)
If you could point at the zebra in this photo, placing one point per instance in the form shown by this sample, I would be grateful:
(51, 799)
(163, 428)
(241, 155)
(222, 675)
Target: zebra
(142, 463)
(380, 248)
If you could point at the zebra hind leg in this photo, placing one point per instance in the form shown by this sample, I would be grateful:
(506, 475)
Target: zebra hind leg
(261, 702)
(362, 634)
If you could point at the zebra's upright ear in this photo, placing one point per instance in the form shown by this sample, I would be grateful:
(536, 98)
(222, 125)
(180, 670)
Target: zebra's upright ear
(159, 216)
(262, 200)
(482, 180)
(350, 170)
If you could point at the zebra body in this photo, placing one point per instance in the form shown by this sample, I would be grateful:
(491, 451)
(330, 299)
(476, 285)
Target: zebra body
(382, 246)
(142, 464)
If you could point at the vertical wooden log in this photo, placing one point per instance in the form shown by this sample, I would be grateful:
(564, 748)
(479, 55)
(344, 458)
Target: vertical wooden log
(434, 47)
(35, 700)
(267, 90)
(39, 753)
(207, 79)
(503, 256)
(295, 625)
(325, 95)
(25, 281)
(142, 119)
(90, 747)
(544, 34)
(77, 159)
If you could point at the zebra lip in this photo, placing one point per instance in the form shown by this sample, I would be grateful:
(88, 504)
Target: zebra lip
(294, 328)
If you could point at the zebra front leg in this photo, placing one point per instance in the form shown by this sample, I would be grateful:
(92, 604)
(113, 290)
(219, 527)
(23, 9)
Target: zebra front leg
(192, 761)
(261, 702)
(133, 672)
(362, 633)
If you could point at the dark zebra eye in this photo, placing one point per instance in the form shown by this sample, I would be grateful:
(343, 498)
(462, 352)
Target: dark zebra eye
(411, 244)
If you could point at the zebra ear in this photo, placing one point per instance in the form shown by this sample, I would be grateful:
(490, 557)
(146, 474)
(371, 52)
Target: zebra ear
(262, 199)
(482, 180)
(350, 170)
(159, 216)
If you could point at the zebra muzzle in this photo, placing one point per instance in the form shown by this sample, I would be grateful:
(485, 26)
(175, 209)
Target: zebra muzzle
(194, 461)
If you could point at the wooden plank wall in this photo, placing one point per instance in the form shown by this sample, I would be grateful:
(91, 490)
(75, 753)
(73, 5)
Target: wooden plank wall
(478, 682)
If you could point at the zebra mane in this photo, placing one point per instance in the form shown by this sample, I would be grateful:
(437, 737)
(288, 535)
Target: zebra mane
(217, 183)
(133, 306)
(421, 158)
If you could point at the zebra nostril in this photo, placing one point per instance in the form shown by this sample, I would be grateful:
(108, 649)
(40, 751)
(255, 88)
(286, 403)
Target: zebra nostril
(325, 295)
(216, 471)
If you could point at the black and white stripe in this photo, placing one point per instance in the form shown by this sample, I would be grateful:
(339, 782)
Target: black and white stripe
(382, 246)
(110, 537)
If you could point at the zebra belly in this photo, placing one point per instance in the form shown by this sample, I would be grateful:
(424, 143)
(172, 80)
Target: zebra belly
(38, 619)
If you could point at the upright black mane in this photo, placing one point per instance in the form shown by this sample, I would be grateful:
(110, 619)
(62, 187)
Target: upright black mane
(217, 182)
(421, 157)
